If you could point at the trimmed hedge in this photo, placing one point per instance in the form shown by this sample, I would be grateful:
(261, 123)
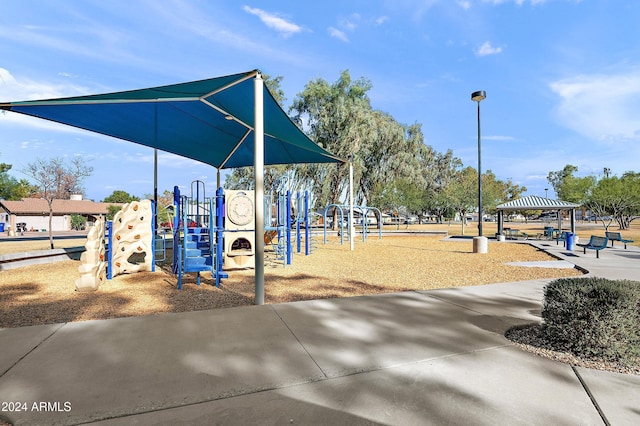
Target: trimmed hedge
(593, 318)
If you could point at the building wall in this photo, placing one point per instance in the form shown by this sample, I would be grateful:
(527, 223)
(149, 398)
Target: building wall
(39, 222)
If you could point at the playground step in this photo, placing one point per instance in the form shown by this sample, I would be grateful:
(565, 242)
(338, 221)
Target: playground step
(196, 264)
(197, 252)
(197, 237)
(203, 245)
(198, 231)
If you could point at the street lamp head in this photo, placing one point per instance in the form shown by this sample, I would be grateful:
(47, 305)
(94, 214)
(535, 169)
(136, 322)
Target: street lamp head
(478, 96)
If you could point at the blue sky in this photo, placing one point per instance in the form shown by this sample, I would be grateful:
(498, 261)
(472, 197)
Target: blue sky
(562, 76)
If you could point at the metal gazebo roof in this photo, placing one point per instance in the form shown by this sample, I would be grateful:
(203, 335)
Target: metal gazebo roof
(534, 202)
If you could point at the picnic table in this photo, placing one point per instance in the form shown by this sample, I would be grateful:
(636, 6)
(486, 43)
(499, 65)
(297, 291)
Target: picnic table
(514, 234)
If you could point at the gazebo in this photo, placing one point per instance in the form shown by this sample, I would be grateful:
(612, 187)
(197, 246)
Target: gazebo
(533, 202)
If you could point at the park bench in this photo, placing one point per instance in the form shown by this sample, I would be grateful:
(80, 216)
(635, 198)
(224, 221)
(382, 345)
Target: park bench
(595, 243)
(616, 236)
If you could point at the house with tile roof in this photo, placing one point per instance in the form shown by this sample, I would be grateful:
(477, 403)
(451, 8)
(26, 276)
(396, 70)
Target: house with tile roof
(34, 212)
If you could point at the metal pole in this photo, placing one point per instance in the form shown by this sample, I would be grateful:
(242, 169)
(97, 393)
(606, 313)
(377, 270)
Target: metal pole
(258, 132)
(351, 230)
(479, 177)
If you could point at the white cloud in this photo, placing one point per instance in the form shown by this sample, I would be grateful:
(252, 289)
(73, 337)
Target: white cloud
(381, 20)
(350, 23)
(24, 89)
(275, 22)
(518, 2)
(465, 4)
(487, 49)
(499, 138)
(599, 106)
(336, 33)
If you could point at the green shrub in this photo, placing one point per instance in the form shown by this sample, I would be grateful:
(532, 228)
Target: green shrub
(593, 318)
(78, 222)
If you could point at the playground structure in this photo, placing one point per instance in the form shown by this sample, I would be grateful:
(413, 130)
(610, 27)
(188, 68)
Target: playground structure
(348, 223)
(124, 245)
(131, 239)
(210, 234)
(217, 234)
(92, 262)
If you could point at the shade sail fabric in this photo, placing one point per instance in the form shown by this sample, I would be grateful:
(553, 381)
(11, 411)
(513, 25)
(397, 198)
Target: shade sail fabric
(211, 121)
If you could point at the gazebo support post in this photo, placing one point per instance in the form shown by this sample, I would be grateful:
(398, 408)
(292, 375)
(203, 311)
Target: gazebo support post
(258, 132)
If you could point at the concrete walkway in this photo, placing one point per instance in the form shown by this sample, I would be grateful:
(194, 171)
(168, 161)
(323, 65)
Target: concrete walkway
(415, 358)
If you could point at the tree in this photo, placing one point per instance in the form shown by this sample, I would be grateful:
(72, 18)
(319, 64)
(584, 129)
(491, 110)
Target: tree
(339, 117)
(569, 187)
(617, 198)
(400, 195)
(78, 222)
(462, 193)
(335, 118)
(165, 206)
(496, 191)
(57, 180)
(119, 196)
(10, 187)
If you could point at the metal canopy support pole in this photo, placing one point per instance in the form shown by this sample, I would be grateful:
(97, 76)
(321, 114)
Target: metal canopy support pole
(351, 230)
(155, 170)
(259, 188)
(572, 214)
(479, 178)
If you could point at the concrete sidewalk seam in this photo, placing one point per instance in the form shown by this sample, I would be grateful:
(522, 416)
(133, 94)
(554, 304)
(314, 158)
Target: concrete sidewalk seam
(32, 349)
(324, 373)
(591, 396)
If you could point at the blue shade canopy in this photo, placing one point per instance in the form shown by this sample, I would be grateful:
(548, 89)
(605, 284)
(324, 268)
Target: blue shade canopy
(211, 121)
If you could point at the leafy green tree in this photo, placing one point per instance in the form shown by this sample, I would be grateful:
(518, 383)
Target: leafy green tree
(569, 187)
(165, 206)
(119, 196)
(112, 209)
(462, 193)
(340, 118)
(78, 222)
(336, 118)
(11, 188)
(400, 195)
(243, 177)
(618, 198)
(496, 191)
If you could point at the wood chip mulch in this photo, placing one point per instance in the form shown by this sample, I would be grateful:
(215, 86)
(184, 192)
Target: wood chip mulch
(44, 294)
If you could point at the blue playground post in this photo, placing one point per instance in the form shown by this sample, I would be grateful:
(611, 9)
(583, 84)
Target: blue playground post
(306, 223)
(219, 235)
(288, 222)
(298, 217)
(176, 228)
(109, 249)
(154, 233)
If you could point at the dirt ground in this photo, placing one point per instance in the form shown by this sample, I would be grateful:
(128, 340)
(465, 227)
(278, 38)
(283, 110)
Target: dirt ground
(45, 294)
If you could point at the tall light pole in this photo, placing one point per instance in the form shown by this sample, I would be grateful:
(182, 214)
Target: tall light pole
(479, 96)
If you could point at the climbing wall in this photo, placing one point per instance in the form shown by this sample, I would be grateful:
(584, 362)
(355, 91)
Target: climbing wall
(132, 238)
(92, 262)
